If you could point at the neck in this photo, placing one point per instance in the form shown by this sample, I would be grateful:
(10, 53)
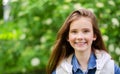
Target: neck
(83, 58)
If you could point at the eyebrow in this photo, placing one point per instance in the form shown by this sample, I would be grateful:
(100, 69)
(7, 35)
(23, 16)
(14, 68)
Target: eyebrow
(77, 28)
(86, 28)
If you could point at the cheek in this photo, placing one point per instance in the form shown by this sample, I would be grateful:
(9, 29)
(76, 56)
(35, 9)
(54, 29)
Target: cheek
(90, 38)
(70, 37)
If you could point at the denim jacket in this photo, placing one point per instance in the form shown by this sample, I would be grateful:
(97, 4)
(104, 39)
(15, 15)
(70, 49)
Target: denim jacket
(72, 66)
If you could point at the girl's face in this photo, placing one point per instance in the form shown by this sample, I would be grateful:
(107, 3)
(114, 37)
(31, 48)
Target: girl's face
(81, 34)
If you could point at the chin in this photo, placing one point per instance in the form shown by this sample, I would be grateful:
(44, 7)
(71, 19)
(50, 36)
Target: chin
(81, 50)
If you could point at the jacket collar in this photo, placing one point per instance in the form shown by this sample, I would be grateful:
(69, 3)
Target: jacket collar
(102, 58)
(91, 63)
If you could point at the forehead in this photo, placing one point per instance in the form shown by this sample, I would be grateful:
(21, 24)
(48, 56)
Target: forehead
(81, 22)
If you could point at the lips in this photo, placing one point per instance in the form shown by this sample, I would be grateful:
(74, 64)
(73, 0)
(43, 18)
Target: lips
(80, 43)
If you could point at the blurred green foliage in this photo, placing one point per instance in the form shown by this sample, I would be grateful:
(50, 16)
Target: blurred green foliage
(26, 39)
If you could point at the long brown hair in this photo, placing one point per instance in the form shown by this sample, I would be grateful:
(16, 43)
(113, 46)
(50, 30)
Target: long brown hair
(62, 48)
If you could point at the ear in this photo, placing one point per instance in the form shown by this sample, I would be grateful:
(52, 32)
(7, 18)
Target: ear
(94, 37)
(67, 39)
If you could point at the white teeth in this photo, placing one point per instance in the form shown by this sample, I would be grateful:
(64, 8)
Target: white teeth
(80, 43)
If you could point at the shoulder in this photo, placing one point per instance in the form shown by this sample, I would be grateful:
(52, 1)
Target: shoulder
(65, 66)
(102, 54)
(117, 69)
(104, 62)
(54, 72)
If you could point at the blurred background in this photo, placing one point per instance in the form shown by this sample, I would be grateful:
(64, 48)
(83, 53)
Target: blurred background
(28, 30)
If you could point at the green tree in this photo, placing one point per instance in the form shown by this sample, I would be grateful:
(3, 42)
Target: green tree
(26, 40)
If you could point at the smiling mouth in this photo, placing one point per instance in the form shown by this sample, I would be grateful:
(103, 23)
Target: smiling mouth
(80, 43)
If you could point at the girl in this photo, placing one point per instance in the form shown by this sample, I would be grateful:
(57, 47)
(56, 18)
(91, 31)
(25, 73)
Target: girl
(79, 48)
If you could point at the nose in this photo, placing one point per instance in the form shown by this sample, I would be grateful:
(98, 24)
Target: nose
(80, 36)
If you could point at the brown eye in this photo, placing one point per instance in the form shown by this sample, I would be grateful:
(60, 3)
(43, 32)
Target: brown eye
(86, 31)
(73, 31)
